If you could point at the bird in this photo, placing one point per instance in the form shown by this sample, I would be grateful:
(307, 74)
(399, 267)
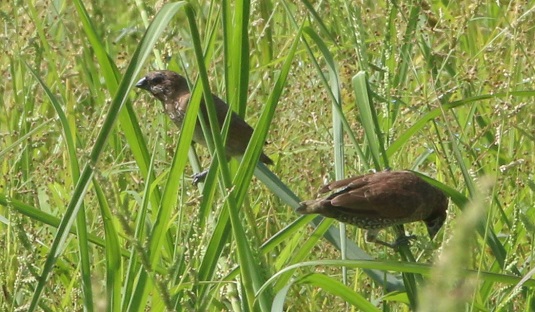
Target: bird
(378, 200)
(173, 91)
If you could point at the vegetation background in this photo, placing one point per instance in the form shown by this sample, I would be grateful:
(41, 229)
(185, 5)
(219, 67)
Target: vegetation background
(97, 210)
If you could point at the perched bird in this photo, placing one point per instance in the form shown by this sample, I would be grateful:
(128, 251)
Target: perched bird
(378, 200)
(173, 91)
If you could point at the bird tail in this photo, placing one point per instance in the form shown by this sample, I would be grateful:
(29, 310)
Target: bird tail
(265, 159)
(309, 206)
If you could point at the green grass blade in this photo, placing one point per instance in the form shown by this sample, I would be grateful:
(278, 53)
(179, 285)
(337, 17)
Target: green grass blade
(114, 276)
(417, 126)
(75, 172)
(368, 119)
(83, 183)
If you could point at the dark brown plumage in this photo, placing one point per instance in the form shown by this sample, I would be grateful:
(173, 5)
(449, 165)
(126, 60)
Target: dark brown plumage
(378, 200)
(173, 91)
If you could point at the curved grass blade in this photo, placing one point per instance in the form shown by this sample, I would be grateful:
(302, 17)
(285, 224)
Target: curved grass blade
(405, 136)
(368, 119)
(329, 285)
(114, 276)
(75, 173)
(397, 266)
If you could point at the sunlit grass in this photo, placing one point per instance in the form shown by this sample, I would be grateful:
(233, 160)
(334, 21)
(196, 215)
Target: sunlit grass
(336, 89)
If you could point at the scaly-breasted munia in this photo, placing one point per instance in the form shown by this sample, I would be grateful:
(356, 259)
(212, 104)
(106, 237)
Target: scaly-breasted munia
(379, 200)
(173, 91)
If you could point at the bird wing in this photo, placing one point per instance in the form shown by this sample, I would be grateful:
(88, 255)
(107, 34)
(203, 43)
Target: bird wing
(344, 183)
(379, 196)
(239, 132)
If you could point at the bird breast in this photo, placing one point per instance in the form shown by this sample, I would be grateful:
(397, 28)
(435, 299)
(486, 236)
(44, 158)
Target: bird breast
(371, 223)
(175, 111)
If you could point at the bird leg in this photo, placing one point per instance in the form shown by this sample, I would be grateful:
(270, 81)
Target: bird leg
(371, 237)
(404, 240)
(199, 177)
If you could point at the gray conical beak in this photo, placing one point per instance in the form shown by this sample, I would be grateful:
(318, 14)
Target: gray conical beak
(143, 83)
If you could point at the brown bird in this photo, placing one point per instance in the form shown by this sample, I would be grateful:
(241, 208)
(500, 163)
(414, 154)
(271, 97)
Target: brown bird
(379, 200)
(173, 91)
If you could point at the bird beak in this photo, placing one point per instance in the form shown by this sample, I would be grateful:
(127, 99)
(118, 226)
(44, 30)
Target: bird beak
(432, 232)
(143, 83)
(434, 226)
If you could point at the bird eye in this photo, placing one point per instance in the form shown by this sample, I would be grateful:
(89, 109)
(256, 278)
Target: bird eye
(157, 79)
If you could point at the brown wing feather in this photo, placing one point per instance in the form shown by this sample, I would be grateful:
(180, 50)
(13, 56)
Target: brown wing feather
(344, 183)
(239, 132)
(383, 194)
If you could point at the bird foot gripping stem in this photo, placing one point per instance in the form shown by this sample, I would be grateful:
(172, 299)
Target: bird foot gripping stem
(199, 177)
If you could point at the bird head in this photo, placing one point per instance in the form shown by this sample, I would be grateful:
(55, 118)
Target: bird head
(435, 221)
(163, 84)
